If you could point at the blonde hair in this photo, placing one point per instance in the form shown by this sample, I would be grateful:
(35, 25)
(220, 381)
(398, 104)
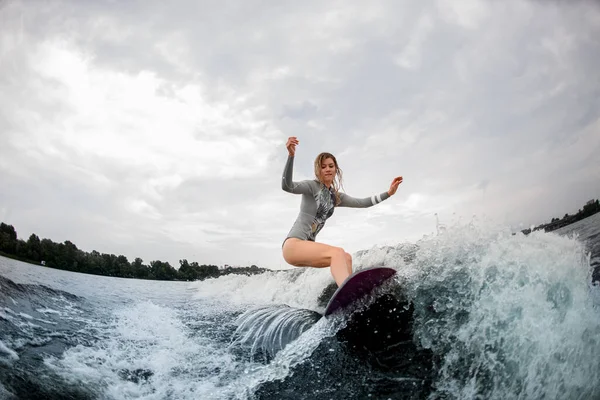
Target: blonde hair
(337, 180)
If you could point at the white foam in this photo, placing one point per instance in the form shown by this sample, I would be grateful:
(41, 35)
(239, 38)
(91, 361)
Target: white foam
(7, 354)
(24, 322)
(48, 311)
(293, 354)
(178, 362)
(21, 342)
(269, 329)
(45, 321)
(515, 314)
(299, 288)
(149, 338)
(509, 308)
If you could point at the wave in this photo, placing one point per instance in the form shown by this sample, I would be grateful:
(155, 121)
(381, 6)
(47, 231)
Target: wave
(267, 330)
(35, 321)
(10, 289)
(506, 314)
(33, 315)
(302, 288)
(472, 312)
(490, 314)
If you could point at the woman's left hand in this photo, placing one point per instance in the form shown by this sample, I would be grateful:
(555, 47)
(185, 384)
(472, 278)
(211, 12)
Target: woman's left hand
(394, 186)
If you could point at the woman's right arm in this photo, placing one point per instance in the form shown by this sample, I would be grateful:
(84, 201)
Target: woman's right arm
(287, 183)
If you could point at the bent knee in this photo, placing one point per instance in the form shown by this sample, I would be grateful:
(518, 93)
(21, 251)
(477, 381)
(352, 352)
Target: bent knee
(289, 258)
(348, 257)
(288, 254)
(338, 252)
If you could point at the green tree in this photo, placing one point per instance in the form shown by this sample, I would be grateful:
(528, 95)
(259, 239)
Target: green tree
(34, 248)
(124, 267)
(21, 249)
(162, 270)
(94, 263)
(68, 255)
(8, 238)
(139, 269)
(49, 250)
(110, 265)
(591, 208)
(208, 271)
(186, 271)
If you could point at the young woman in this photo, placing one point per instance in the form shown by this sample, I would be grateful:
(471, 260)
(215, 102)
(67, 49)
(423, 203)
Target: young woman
(319, 198)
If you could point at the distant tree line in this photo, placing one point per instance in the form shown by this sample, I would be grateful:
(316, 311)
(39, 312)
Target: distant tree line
(590, 208)
(68, 257)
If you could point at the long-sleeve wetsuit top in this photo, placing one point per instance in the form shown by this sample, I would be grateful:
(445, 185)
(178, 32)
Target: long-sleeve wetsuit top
(318, 203)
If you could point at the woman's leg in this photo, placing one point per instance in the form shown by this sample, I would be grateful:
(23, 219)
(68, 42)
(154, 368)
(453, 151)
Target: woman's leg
(304, 253)
(349, 263)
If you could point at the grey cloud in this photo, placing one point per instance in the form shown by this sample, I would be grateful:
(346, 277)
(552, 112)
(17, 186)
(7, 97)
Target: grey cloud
(483, 184)
(305, 110)
(485, 115)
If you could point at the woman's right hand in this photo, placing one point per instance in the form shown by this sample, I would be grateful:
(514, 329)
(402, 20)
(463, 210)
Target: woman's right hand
(291, 144)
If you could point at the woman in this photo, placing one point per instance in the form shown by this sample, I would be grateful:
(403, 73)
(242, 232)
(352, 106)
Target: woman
(319, 198)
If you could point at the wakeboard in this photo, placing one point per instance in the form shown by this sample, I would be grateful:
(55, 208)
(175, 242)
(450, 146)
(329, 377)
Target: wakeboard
(357, 286)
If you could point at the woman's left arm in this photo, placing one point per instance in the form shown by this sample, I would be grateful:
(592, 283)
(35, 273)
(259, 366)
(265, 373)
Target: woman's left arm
(349, 201)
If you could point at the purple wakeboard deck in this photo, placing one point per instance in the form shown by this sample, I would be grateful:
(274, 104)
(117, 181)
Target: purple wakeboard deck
(357, 286)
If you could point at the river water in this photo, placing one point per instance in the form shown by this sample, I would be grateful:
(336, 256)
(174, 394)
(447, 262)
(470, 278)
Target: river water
(475, 312)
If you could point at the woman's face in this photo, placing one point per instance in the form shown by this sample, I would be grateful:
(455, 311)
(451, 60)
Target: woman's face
(328, 171)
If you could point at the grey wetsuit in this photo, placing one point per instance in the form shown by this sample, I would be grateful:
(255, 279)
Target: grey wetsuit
(318, 203)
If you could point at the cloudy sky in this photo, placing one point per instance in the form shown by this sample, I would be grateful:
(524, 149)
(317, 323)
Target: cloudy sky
(157, 129)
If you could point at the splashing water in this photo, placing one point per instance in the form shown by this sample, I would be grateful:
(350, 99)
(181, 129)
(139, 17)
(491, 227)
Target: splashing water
(509, 316)
(267, 330)
(293, 354)
(488, 315)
